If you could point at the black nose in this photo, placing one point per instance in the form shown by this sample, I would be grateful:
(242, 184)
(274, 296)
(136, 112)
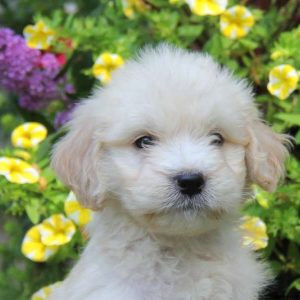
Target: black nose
(190, 183)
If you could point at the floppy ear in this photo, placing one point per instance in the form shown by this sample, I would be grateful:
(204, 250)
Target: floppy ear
(76, 159)
(265, 155)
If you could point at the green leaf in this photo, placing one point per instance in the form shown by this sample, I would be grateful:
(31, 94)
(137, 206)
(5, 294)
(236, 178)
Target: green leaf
(293, 119)
(248, 44)
(276, 266)
(32, 211)
(45, 147)
(297, 138)
(190, 31)
(294, 285)
(214, 45)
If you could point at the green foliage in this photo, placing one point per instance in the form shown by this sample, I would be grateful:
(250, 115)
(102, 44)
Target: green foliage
(99, 26)
(22, 206)
(282, 219)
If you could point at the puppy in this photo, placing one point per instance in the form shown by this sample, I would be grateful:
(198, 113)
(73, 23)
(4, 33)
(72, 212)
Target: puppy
(165, 154)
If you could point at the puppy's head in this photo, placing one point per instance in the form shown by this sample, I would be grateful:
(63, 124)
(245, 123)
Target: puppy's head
(173, 141)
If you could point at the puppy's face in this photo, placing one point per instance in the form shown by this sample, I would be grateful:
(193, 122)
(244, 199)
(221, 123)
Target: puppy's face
(173, 142)
(171, 163)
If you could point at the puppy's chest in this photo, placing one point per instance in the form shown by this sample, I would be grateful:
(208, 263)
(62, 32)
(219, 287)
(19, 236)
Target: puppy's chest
(167, 274)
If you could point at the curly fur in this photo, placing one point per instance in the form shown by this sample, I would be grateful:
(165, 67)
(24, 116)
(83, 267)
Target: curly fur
(144, 244)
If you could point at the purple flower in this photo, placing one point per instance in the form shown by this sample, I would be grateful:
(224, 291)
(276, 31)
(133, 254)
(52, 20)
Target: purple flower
(64, 116)
(16, 60)
(49, 63)
(69, 89)
(28, 72)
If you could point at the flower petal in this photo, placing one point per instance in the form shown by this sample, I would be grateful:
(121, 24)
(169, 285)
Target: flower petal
(105, 64)
(236, 22)
(255, 232)
(57, 230)
(283, 80)
(18, 171)
(33, 247)
(131, 6)
(38, 36)
(76, 212)
(207, 7)
(45, 292)
(28, 135)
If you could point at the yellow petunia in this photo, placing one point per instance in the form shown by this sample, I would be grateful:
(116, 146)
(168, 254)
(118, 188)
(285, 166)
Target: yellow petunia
(45, 292)
(283, 81)
(207, 7)
(28, 135)
(57, 230)
(33, 247)
(260, 196)
(22, 154)
(255, 233)
(262, 201)
(18, 171)
(278, 54)
(236, 22)
(76, 212)
(38, 36)
(105, 64)
(130, 6)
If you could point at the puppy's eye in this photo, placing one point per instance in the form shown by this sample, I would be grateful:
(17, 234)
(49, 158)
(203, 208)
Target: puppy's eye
(144, 141)
(217, 139)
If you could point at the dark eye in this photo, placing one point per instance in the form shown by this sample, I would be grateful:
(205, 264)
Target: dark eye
(144, 141)
(217, 139)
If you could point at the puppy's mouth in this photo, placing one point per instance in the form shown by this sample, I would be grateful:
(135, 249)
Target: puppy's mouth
(179, 202)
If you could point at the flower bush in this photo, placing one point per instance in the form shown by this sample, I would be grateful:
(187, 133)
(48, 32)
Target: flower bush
(52, 54)
(30, 73)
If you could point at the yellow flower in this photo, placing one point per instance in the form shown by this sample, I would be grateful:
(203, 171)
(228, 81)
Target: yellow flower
(33, 247)
(38, 36)
(255, 232)
(22, 154)
(44, 293)
(278, 54)
(130, 6)
(260, 196)
(76, 212)
(207, 7)
(236, 22)
(262, 201)
(283, 81)
(18, 171)
(28, 135)
(105, 64)
(57, 230)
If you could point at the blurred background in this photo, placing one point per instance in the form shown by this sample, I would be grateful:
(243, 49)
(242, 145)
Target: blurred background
(54, 53)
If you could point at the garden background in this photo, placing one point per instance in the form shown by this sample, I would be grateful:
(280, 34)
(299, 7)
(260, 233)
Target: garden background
(53, 53)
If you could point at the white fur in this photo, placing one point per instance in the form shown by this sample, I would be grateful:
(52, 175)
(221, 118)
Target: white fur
(140, 246)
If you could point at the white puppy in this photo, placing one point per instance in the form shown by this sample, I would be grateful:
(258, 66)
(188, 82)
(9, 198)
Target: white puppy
(165, 155)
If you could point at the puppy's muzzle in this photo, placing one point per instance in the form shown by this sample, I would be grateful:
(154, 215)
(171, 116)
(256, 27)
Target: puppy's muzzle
(190, 184)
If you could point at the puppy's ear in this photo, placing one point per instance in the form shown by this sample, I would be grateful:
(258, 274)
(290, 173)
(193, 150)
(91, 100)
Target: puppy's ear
(76, 159)
(265, 155)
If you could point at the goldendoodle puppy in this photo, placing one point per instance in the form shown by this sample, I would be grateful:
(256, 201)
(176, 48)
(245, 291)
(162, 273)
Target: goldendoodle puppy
(165, 154)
